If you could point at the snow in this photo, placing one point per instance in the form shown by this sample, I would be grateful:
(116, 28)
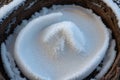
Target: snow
(9, 64)
(69, 33)
(7, 9)
(31, 4)
(108, 61)
(7, 57)
(9, 26)
(77, 58)
(115, 8)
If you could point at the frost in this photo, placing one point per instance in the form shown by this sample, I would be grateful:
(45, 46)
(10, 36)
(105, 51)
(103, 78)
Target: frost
(9, 64)
(9, 26)
(117, 2)
(7, 9)
(108, 60)
(31, 4)
(115, 8)
(62, 32)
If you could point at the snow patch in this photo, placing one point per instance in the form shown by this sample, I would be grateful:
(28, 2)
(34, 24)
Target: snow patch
(115, 8)
(7, 9)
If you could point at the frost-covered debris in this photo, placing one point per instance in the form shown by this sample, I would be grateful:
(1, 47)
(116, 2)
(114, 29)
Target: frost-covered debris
(117, 2)
(31, 4)
(9, 64)
(7, 9)
(114, 7)
(9, 26)
(108, 60)
(97, 4)
(8, 61)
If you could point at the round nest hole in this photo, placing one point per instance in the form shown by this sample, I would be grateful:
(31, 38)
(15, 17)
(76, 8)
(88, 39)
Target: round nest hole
(98, 7)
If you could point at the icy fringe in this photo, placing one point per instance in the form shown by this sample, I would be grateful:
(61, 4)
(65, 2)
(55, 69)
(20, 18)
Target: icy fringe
(107, 62)
(9, 8)
(68, 36)
(9, 64)
(8, 61)
(117, 2)
(115, 6)
(14, 73)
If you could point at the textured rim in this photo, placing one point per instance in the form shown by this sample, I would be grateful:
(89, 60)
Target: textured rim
(103, 10)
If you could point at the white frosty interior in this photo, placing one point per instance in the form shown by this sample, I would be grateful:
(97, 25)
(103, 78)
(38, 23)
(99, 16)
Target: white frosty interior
(57, 36)
(35, 60)
(115, 8)
(6, 9)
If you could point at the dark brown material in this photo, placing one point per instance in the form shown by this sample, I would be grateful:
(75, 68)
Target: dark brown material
(102, 10)
(4, 2)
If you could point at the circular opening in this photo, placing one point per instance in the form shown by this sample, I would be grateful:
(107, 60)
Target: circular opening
(105, 12)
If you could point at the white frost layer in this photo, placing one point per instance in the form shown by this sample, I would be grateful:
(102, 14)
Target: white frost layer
(115, 8)
(6, 9)
(63, 32)
(61, 65)
(108, 60)
(9, 64)
(78, 58)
